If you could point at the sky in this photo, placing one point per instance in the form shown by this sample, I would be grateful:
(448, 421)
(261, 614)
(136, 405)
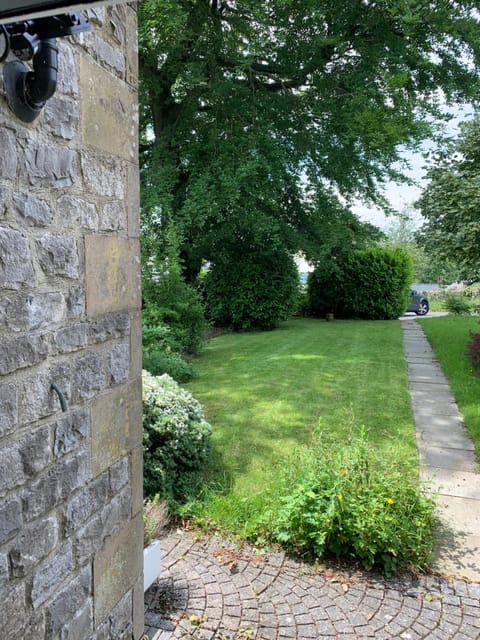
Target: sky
(402, 197)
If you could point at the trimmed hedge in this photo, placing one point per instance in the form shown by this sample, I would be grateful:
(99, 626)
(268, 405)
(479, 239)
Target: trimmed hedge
(369, 284)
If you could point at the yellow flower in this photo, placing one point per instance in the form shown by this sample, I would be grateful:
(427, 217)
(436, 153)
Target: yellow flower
(339, 496)
(343, 471)
(390, 501)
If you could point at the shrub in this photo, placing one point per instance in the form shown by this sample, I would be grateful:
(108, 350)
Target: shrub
(370, 284)
(176, 439)
(158, 362)
(473, 351)
(456, 304)
(353, 504)
(256, 291)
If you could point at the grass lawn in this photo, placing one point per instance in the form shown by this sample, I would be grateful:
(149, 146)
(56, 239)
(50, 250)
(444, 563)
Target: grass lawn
(448, 336)
(264, 394)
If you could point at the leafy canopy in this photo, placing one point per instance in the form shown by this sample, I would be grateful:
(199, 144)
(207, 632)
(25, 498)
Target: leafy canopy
(450, 203)
(251, 111)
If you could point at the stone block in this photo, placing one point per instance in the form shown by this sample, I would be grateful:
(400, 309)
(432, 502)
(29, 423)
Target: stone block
(121, 618)
(37, 400)
(58, 255)
(112, 518)
(16, 268)
(68, 601)
(5, 195)
(62, 118)
(33, 545)
(92, 499)
(51, 573)
(71, 431)
(57, 485)
(13, 615)
(136, 356)
(119, 363)
(136, 480)
(133, 201)
(76, 302)
(68, 70)
(81, 624)
(117, 567)
(49, 167)
(34, 211)
(10, 519)
(8, 409)
(11, 468)
(114, 217)
(103, 175)
(112, 270)
(108, 106)
(36, 451)
(113, 325)
(131, 46)
(26, 312)
(8, 157)
(89, 375)
(4, 574)
(75, 213)
(21, 352)
(71, 338)
(138, 609)
(119, 475)
(116, 425)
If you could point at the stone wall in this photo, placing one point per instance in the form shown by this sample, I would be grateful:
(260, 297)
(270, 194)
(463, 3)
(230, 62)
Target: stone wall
(71, 482)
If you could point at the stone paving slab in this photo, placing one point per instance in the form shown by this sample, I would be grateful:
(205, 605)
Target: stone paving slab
(220, 590)
(447, 458)
(462, 484)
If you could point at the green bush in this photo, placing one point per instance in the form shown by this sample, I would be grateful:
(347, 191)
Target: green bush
(256, 291)
(351, 503)
(370, 284)
(176, 439)
(456, 304)
(158, 362)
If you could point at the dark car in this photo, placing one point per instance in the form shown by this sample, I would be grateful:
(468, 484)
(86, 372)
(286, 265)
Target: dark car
(418, 304)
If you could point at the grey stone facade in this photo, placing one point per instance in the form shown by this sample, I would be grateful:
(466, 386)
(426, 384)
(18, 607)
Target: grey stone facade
(70, 505)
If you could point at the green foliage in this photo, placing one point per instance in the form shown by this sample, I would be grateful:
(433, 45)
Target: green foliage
(473, 350)
(450, 203)
(176, 439)
(456, 303)
(348, 501)
(158, 362)
(370, 283)
(170, 302)
(253, 290)
(251, 111)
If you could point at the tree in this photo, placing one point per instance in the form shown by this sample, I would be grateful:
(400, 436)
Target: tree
(451, 201)
(252, 112)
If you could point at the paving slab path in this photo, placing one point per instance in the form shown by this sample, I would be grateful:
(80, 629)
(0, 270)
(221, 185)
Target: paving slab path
(215, 589)
(447, 458)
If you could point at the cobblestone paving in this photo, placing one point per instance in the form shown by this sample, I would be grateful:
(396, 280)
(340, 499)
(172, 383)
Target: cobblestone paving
(211, 589)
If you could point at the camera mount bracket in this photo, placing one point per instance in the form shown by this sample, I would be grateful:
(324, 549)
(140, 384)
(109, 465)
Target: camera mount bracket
(27, 91)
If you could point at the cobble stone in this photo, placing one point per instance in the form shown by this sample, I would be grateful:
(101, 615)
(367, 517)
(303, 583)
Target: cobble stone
(36, 451)
(13, 612)
(5, 196)
(296, 603)
(112, 56)
(62, 118)
(81, 624)
(114, 325)
(36, 397)
(114, 217)
(90, 500)
(76, 302)
(121, 618)
(11, 468)
(105, 178)
(4, 573)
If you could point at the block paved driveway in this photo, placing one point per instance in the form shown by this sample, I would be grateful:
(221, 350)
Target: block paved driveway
(212, 590)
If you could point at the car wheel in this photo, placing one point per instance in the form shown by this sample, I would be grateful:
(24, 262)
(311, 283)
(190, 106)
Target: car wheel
(422, 308)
